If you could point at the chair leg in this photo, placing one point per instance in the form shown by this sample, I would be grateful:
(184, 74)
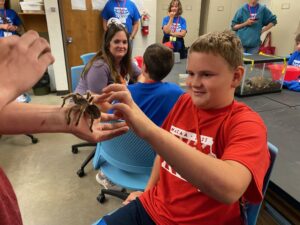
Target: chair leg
(85, 144)
(119, 194)
(34, 140)
(80, 172)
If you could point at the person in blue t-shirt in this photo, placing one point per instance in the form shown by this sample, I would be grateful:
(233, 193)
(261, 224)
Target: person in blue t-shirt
(249, 22)
(174, 28)
(294, 60)
(126, 11)
(10, 23)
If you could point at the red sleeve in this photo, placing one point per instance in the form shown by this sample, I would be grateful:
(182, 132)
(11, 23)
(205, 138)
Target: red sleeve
(248, 145)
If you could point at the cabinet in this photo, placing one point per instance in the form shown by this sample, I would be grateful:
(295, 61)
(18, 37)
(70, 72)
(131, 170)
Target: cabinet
(34, 21)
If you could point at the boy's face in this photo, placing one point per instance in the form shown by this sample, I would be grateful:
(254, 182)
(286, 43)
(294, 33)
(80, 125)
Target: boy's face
(211, 82)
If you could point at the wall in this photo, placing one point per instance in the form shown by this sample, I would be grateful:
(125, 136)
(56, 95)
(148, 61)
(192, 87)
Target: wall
(141, 42)
(56, 43)
(191, 12)
(288, 18)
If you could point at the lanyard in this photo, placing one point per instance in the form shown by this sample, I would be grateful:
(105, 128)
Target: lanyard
(175, 27)
(123, 7)
(4, 17)
(255, 11)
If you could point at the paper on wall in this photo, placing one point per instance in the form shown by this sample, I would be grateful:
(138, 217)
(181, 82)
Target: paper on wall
(98, 4)
(78, 5)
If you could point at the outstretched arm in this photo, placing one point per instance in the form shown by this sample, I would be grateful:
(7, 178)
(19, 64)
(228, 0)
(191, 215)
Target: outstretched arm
(19, 118)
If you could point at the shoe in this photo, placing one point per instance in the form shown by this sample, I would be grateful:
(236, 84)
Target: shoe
(106, 183)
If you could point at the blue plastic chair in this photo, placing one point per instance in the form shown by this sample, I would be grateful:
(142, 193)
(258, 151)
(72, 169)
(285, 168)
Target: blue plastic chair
(75, 75)
(87, 57)
(127, 162)
(252, 210)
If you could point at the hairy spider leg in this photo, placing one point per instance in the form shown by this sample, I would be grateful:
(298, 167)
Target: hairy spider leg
(69, 113)
(81, 111)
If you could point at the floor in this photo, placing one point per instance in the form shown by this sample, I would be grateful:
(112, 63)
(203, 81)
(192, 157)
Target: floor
(45, 180)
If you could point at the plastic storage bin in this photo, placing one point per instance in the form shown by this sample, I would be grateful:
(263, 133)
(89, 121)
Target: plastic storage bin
(292, 72)
(258, 77)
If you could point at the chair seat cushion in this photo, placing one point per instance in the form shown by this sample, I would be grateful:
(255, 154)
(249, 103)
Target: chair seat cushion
(134, 181)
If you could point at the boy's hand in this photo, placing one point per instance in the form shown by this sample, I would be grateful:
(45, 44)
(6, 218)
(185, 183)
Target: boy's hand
(132, 196)
(250, 21)
(126, 108)
(23, 62)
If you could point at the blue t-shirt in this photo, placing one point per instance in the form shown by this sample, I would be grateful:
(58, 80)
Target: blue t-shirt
(155, 99)
(128, 14)
(11, 17)
(295, 59)
(175, 27)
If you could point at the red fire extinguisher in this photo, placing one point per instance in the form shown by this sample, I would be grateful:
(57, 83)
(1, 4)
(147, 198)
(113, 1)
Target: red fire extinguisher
(145, 23)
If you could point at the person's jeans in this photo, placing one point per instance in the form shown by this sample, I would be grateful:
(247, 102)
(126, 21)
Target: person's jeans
(253, 50)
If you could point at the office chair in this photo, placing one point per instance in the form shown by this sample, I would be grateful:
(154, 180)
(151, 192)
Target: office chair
(75, 77)
(87, 57)
(252, 210)
(127, 162)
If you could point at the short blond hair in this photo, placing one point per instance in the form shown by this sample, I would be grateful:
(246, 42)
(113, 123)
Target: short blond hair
(225, 44)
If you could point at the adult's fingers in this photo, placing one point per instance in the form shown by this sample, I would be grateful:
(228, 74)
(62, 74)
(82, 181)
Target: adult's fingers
(108, 134)
(28, 38)
(114, 87)
(108, 117)
(38, 47)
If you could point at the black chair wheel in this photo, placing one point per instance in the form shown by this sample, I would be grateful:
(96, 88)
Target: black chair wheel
(34, 140)
(101, 198)
(74, 150)
(80, 173)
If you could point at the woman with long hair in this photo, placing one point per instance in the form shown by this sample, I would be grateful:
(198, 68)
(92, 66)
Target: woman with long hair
(112, 64)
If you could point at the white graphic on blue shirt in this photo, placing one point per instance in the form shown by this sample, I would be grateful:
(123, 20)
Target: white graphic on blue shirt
(296, 63)
(121, 13)
(176, 27)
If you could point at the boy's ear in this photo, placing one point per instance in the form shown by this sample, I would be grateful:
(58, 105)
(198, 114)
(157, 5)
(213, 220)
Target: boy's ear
(237, 76)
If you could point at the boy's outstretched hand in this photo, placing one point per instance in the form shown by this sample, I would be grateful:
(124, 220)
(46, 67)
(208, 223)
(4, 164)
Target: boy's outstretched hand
(23, 62)
(125, 108)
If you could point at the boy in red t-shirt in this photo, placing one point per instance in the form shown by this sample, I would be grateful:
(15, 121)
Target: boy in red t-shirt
(212, 150)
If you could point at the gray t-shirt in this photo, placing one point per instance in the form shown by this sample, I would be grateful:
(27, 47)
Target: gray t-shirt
(99, 77)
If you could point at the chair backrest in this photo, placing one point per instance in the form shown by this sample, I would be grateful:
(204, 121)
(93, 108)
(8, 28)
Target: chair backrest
(128, 152)
(252, 210)
(87, 57)
(75, 75)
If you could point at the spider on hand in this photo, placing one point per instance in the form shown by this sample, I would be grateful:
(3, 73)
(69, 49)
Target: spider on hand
(83, 105)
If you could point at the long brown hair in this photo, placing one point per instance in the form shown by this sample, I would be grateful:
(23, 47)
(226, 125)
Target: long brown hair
(107, 57)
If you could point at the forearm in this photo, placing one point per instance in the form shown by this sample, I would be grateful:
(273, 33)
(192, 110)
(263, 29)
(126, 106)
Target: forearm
(134, 30)
(154, 174)
(198, 168)
(180, 34)
(167, 27)
(18, 118)
(239, 26)
(268, 27)
(104, 23)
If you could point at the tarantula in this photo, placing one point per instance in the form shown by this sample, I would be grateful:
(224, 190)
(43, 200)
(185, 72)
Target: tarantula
(82, 105)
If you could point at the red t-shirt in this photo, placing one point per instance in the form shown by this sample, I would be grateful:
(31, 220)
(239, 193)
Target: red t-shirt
(231, 133)
(9, 209)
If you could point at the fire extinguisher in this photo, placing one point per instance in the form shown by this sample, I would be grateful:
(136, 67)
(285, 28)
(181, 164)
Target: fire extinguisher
(145, 23)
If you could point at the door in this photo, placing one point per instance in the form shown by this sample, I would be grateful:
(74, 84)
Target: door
(82, 31)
